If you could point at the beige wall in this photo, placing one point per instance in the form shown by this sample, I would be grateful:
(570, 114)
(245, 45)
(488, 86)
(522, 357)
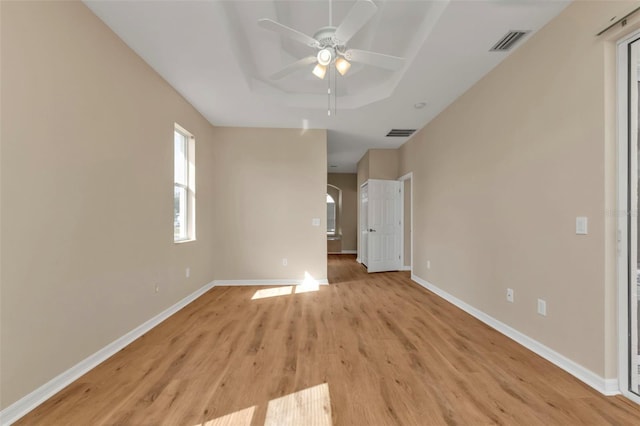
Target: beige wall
(87, 203)
(500, 177)
(378, 164)
(272, 182)
(334, 246)
(363, 169)
(383, 164)
(347, 182)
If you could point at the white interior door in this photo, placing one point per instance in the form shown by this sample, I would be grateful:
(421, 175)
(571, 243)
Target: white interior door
(364, 225)
(383, 225)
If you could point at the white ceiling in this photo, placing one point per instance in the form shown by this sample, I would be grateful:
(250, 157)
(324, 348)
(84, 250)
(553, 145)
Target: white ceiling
(216, 56)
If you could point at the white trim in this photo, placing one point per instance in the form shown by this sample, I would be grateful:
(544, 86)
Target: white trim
(402, 178)
(405, 268)
(230, 283)
(604, 386)
(349, 251)
(27, 403)
(621, 215)
(359, 221)
(611, 387)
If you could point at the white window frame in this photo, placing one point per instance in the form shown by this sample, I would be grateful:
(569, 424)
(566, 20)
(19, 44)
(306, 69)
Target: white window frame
(335, 217)
(190, 213)
(622, 216)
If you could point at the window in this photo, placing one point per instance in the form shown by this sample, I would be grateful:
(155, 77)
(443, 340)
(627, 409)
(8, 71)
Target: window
(183, 185)
(331, 215)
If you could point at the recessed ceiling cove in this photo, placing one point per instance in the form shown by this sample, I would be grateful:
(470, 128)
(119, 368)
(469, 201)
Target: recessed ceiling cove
(396, 28)
(217, 55)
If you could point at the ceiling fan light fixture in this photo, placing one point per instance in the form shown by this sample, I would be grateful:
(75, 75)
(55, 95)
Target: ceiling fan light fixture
(320, 71)
(342, 65)
(325, 56)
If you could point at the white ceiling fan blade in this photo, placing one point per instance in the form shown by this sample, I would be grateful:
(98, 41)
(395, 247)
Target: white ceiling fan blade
(293, 67)
(359, 15)
(296, 35)
(379, 60)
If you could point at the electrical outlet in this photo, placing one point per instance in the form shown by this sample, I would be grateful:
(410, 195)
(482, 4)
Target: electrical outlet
(157, 288)
(284, 261)
(510, 295)
(428, 264)
(581, 225)
(187, 272)
(542, 307)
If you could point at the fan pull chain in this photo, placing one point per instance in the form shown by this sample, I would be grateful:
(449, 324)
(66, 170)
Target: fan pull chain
(329, 93)
(335, 91)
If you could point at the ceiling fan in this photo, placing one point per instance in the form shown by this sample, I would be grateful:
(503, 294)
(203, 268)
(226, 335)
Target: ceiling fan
(330, 43)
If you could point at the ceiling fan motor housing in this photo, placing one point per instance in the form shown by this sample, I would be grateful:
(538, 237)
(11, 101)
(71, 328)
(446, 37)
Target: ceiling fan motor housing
(326, 38)
(330, 44)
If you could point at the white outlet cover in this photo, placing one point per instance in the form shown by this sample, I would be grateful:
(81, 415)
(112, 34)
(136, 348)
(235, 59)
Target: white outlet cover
(187, 272)
(315, 221)
(581, 225)
(510, 295)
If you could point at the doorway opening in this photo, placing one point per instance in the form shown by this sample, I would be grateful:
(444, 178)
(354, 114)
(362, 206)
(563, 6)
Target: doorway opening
(334, 219)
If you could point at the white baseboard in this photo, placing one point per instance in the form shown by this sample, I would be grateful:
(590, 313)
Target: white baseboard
(605, 386)
(228, 283)
(358, 260)
(349, 251)
(405, 268)
(27, 403)
(611, 387)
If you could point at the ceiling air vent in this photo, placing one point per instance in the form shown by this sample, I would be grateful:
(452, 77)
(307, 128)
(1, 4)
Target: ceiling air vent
(400, 133)
(507, 42)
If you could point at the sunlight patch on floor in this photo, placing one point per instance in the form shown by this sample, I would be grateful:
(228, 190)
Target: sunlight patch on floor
(306, 288)
(272, 292)
(237, 418)
(309, 284)
(309, 407)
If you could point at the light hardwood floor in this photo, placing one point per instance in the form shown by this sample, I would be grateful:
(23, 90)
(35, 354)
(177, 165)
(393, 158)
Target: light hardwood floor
(366, 350)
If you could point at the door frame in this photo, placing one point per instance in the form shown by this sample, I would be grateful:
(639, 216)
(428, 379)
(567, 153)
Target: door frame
(409, 177)
(361, 246)
(622, 213)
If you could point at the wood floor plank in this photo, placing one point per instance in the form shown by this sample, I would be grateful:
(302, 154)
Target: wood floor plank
(369, 349)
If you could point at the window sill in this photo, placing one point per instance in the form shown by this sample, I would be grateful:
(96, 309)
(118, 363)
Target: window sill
(184, 241)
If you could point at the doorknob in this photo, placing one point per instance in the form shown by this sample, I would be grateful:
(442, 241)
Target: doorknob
(372, 230)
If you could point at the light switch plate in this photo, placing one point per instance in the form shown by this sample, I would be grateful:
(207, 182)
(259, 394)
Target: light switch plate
(581, 225)
(542, 307)
(315, 221)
